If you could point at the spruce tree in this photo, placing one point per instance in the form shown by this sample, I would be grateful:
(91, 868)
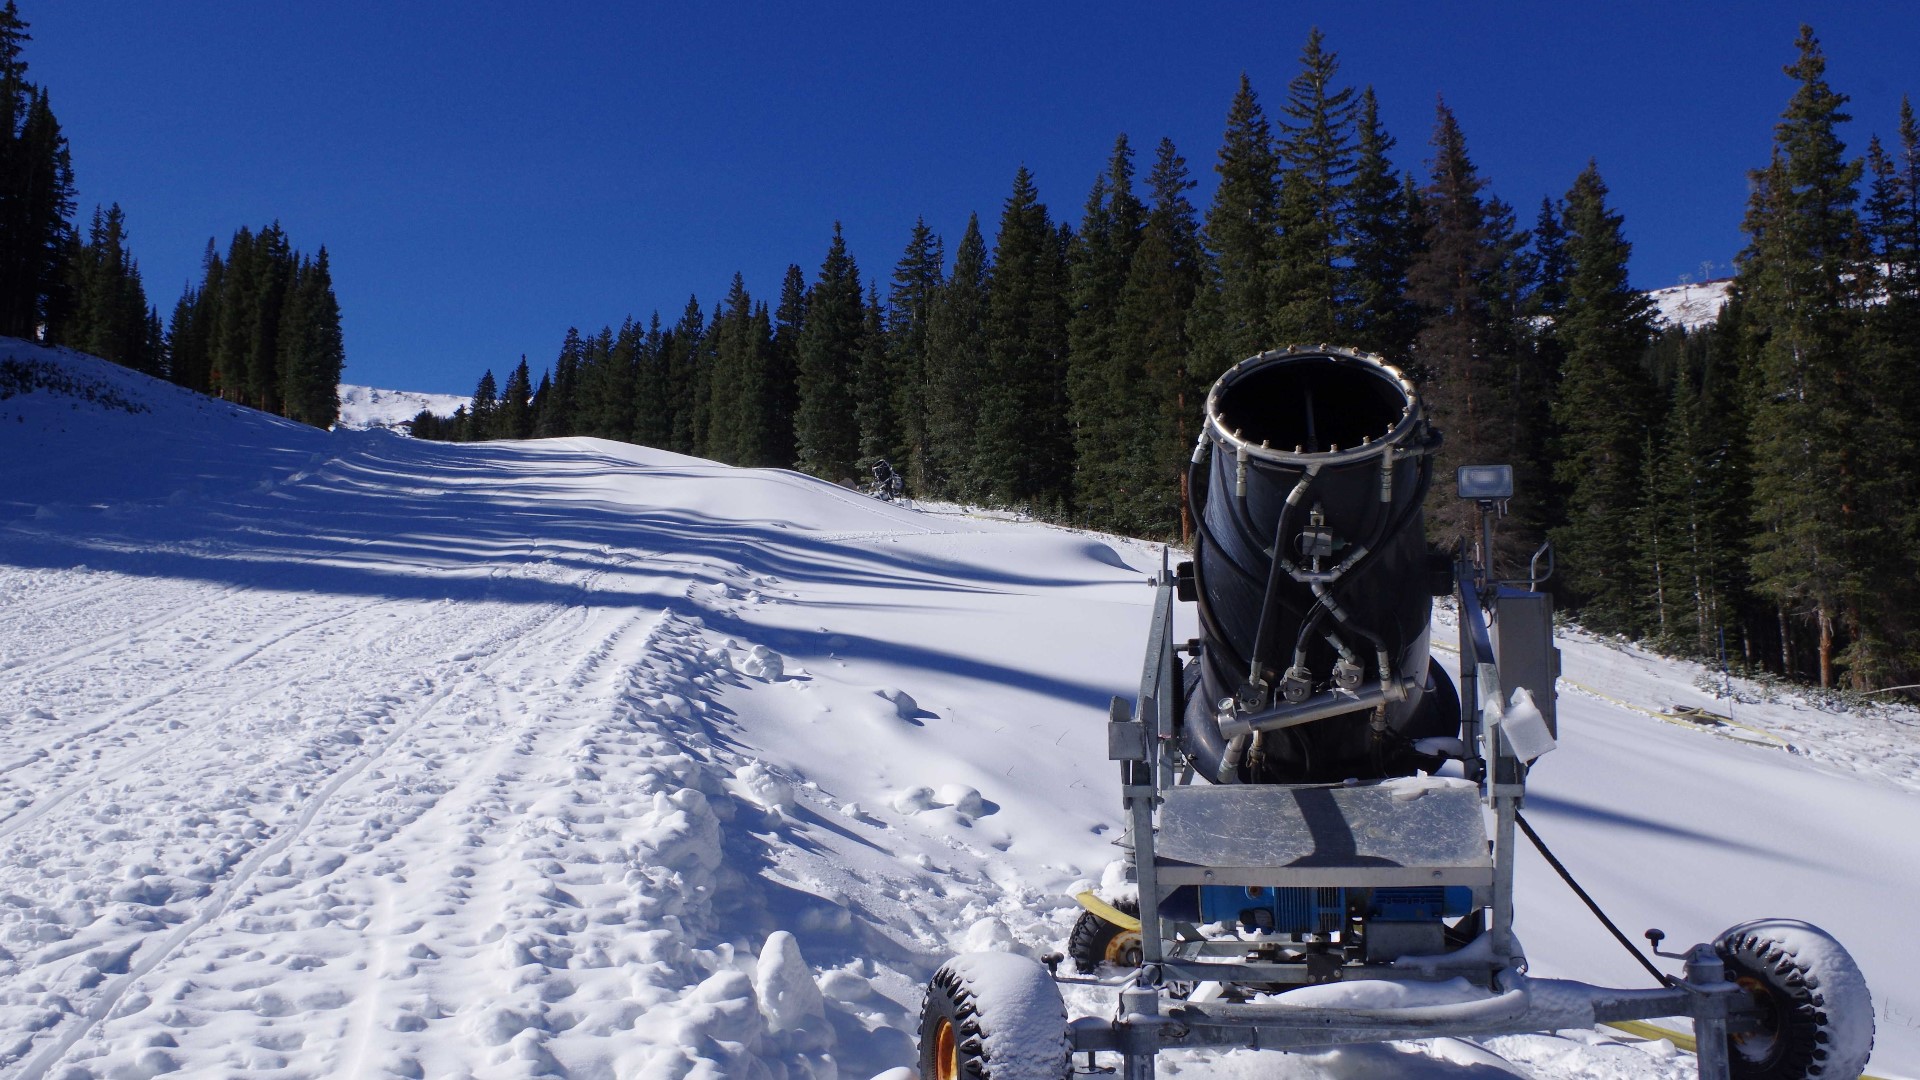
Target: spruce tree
(652, 389)
(783, 366)
(1604, 412)
(1022, 452)
(515, 420)
(917, 278)
(1232, 322)
(1159, 414)
(1102, 382)
(1317, 157)
(109, 315)
(483, 409)
(1802, 275)
(1456, 279)
(873, 389)
(742, 399)
(687, 379)
(1381, 242)
(36, 196)
(956, 364)
(826, 431)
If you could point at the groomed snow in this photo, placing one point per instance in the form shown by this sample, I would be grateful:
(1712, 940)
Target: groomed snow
(342, 754)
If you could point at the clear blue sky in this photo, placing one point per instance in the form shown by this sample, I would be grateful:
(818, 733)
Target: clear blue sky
(487, 174)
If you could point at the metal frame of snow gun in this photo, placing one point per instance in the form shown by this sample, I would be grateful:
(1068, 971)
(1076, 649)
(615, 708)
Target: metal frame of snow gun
(1317, 837)
(1295, 869)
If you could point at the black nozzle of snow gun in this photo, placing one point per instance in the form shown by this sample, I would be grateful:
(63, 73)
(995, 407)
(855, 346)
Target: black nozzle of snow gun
(1655, 937)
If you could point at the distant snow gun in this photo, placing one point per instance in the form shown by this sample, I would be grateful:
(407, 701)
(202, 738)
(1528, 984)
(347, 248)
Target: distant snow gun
(1307, 797)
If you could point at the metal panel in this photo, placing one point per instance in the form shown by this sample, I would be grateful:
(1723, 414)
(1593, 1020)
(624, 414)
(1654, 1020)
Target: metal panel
(1523, 641)
(1424, 824)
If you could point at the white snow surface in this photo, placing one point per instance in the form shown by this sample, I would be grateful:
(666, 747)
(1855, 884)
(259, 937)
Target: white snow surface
(1691, 306)
(363, 407)
(339, 754)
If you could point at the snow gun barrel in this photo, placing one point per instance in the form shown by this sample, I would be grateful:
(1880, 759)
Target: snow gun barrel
(1312, 572)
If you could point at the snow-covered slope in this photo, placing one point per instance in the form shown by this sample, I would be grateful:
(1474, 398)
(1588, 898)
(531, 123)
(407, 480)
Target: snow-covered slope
(342, 754)
(1691, 306)
(363, 407)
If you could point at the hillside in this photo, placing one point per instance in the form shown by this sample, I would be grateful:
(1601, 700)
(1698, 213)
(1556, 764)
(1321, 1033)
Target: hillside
(344, 754)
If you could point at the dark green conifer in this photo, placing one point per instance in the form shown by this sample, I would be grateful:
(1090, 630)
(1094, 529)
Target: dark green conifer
(1381, 239)
(1802, 276)
(1023, 452)
(515, 420)
(1604, 412)
(956, 364)
(826, 431)
(917, 278)
(1316, 154)
(483, 409)
(1231, 323)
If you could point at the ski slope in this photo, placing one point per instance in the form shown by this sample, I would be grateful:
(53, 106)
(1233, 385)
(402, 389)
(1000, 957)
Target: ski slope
(338, 754)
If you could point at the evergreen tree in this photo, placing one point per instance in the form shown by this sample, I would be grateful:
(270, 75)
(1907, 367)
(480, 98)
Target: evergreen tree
(1161, 398)
(606, 403)
(1697, 506)
(1457, 279)
(560, 412)
(653, 389)
(1604, 412)
(1381, 242)
(686, 362)
(873, 389)
(916, 286)
(742, 398)
(1102, 383)
(1317, 157)
(190, 333)
(826, 431)
(956, 364)
(109, 316)
(36, 196)
(783, 366)
(515, 420)
(1231, 322)
(483, 409)
(1023, 452)
(312, 352)
(1802, 275)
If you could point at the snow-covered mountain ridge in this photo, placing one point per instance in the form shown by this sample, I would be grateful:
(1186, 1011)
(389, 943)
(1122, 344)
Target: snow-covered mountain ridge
(343, 754)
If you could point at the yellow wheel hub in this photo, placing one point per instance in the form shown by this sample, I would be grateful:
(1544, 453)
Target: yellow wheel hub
(946, 1052)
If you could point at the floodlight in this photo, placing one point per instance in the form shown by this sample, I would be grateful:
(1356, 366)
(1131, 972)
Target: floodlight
(1485, 482)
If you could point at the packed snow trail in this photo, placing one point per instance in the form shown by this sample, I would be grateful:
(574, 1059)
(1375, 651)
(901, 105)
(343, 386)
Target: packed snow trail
(341, 754)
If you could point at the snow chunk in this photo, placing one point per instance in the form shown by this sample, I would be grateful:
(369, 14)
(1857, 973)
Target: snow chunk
(789, 999)
(765, 787)
(989, 935)
(1524, 727)
(962, 798)
(913, 800)
(762, 663)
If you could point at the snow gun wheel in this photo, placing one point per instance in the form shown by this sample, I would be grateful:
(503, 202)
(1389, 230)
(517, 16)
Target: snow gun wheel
(1816, 1012)
(1095, 941)
(993, 1016)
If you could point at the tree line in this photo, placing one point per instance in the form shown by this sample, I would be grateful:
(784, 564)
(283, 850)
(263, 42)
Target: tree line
(262, 329)
(1751, 488)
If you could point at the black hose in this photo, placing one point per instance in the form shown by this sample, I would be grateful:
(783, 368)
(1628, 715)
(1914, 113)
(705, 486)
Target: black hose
(1665, 979)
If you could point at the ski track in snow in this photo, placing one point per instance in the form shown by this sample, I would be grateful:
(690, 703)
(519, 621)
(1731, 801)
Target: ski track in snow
(576, 759)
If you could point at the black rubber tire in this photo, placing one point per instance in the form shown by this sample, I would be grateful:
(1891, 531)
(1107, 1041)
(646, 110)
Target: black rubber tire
(1095, 941)
(1024, 1036)
(1818, 1014)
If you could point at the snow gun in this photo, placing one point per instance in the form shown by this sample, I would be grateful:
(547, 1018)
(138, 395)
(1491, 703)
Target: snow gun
(1320, 823)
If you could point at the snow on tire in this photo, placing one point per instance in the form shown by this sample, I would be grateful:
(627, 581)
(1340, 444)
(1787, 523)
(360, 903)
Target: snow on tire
(1817, 1015)
(993, 1016)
